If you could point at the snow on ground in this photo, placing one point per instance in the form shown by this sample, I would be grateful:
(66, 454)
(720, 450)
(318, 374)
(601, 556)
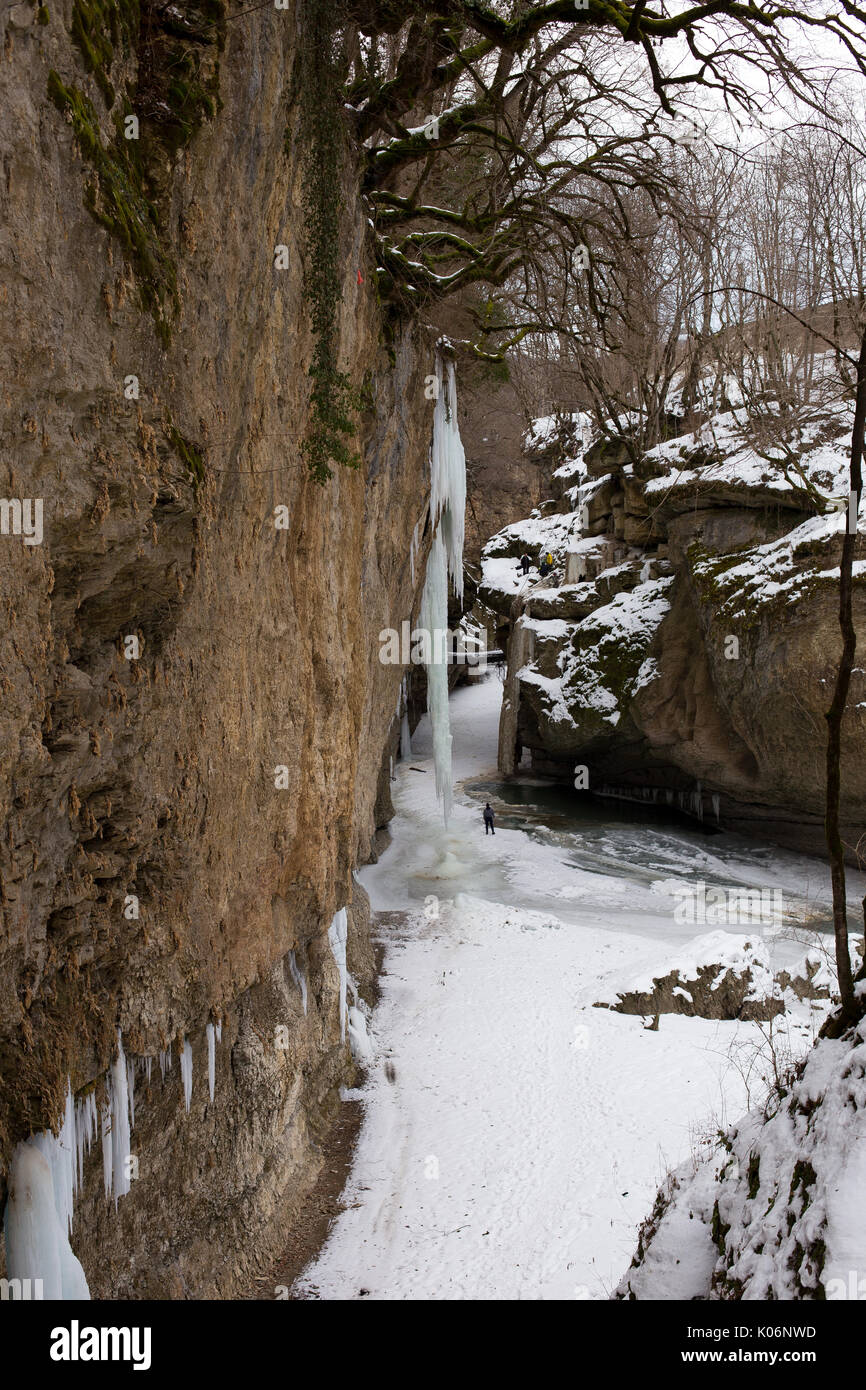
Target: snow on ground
(514, 1136)
(775, 1210)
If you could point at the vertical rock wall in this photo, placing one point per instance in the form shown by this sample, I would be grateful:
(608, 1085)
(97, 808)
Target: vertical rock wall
(153, 778)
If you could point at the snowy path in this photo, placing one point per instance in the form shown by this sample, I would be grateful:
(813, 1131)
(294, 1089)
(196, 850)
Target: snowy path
(520, 1137)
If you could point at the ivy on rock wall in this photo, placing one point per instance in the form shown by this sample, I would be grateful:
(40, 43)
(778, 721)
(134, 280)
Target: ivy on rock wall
(318, 92)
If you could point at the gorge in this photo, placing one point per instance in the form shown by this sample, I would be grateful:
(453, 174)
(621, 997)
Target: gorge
(300, 349)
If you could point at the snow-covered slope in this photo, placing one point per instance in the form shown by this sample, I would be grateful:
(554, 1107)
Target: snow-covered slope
(774, 1208)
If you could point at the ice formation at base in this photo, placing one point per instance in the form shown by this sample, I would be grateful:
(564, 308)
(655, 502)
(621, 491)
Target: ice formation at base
(360, 1038)
(46, 1174)
(405, 737)
(37, 1246)
(356, 1015)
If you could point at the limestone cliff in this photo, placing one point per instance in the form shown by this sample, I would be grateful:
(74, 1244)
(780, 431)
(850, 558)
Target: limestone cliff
(684, 645)
(168, 647)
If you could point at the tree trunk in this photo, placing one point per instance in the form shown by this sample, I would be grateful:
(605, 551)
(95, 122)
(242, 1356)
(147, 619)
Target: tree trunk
(836, 714)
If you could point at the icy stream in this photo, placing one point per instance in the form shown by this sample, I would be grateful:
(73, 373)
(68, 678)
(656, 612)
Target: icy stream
(566, 851)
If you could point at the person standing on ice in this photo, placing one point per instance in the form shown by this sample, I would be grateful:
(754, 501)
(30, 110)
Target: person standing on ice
(525, 562)
(488, 819)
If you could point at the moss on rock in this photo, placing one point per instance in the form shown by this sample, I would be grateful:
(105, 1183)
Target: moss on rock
(99, 28)
(117, 198)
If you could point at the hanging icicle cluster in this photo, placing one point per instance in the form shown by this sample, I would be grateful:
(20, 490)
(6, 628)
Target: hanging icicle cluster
(47, 1170)
(356, 1014)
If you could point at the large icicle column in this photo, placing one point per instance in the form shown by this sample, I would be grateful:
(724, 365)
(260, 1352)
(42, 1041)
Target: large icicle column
(447, 511)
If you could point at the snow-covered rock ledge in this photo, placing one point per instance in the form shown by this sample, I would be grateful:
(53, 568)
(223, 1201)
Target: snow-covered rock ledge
(719, 975)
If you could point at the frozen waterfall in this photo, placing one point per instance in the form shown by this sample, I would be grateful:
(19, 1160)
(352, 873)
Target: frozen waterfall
(447, 509)
(448, 473)
(434, 618)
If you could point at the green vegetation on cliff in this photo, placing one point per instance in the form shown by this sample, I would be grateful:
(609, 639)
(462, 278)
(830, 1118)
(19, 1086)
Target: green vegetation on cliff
(117, 198)
(318, 90)
(168, 64)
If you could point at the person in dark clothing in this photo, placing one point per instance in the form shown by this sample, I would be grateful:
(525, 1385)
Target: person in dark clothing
(525, 562)
(488, 819)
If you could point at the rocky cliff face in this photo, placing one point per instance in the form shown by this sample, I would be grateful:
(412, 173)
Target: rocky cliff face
(684, 646)
(194, 715)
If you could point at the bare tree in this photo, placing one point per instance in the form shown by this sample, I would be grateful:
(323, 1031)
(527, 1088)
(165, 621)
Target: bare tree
(496, 109)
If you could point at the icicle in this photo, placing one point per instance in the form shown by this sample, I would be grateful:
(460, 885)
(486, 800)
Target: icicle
(448, 474)
(337, 933)
(447, 511)
(186, 1072)
(717, 806)
(413, 548)
(434, 619)
(645, 572)
(148, 1067)
(82, 1138)
(219, 1031)
(107, 1175)
(405, 737)
(299, 979)
(130, 1082)
(211, 1059)
(118, 1123)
